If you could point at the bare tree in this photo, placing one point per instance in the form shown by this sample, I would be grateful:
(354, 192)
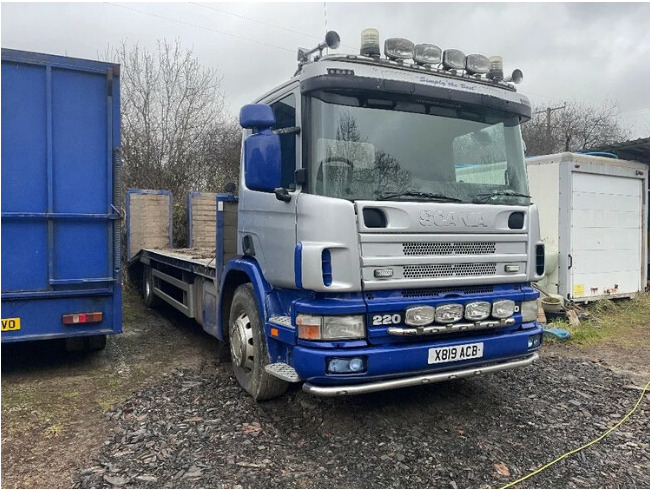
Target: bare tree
(575, 127)
(176, 134)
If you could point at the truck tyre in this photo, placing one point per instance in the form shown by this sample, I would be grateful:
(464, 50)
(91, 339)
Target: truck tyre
(248, 348)
(92, 343)
(95, 342)
(150, 299)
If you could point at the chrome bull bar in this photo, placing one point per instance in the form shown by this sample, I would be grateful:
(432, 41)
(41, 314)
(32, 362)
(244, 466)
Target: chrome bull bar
(417, 380)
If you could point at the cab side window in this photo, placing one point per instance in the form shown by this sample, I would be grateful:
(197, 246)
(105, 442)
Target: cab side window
(285, 117)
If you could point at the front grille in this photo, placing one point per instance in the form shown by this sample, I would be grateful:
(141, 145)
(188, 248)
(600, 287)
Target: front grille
(420, 293)
(448, 248)
(449, 270)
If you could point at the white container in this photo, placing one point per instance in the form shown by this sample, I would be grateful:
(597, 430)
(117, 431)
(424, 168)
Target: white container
(593, 220)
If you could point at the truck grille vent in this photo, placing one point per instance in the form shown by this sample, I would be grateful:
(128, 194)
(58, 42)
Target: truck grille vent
(420, 293)
(449, 270)
(449, 248)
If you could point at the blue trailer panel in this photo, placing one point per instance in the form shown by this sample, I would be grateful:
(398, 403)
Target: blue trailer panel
(60, 197)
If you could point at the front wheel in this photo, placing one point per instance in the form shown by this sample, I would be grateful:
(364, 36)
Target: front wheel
(248, 348)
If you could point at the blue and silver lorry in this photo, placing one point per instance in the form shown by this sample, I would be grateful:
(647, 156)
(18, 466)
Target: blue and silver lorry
(382, 235)
(61, 262)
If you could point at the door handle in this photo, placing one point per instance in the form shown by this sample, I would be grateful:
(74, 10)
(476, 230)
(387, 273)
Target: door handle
(282, 194)
(570, 261)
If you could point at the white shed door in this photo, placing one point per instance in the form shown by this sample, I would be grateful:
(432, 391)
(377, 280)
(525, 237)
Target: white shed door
(606, 235)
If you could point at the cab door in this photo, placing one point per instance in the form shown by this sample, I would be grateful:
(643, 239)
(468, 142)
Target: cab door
(267, 225)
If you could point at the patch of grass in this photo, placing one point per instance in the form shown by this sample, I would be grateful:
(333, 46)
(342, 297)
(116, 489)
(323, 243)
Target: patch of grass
(53, 431)
(613, 320)
(132, 308)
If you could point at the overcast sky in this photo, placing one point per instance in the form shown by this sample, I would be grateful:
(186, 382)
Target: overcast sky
(581, 51)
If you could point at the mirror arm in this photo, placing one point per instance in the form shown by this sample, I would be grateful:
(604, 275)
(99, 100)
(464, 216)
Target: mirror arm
(289, 130)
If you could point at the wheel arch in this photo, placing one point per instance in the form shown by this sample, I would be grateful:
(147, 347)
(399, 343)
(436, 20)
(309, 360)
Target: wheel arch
(238, 272)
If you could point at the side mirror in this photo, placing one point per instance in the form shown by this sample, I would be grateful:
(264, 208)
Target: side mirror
(262, 156)
(256, 116)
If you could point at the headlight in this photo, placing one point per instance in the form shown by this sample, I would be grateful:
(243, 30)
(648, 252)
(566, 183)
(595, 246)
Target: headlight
(449, 313)
(478, 310)
(420, 315)
(503, 308)
(313, 327)
(529, 311)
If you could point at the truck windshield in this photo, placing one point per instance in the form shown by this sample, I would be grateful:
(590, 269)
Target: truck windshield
(380, 149)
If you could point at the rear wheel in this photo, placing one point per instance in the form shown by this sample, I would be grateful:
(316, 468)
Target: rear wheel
(92, 343)
(150, 299)
(248, 349)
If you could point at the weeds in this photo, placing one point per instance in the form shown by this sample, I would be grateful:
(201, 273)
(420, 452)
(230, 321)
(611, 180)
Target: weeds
(610, 320)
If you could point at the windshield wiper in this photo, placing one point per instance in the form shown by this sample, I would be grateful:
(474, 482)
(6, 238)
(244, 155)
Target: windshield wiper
(480, 198)
(428, 195)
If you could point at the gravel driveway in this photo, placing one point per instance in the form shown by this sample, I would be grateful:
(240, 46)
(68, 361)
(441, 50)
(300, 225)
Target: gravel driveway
(198, 429)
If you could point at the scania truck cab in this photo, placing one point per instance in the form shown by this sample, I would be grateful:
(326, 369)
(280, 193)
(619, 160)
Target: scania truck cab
(385, 234)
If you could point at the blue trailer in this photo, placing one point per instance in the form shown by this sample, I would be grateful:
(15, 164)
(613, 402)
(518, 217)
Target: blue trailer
(61, 262)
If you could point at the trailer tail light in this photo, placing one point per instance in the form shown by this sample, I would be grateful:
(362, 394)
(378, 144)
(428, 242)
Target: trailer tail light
(80, 318)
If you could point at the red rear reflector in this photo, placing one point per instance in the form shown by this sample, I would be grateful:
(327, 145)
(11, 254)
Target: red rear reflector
(77, 318)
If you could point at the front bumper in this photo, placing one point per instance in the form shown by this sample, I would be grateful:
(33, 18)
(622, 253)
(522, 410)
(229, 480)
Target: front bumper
(417, 380)
(404, 361)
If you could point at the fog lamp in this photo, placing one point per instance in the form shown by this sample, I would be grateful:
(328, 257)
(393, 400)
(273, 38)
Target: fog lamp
(534, 341)
(503, 308)
(529, 311)
(427, 54)
(453, 59)
(477, 63)
(398, 48)
(418, 316)
(449, 313)
(337, 365)
(478, 310)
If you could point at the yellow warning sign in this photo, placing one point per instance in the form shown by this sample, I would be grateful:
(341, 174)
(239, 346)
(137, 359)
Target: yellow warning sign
(578, 290)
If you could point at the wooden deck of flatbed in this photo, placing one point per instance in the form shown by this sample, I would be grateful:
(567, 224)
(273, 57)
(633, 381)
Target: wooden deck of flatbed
(198, 261)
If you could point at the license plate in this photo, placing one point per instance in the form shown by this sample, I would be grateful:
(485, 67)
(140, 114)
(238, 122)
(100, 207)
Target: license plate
(9, 324)
(455, 353)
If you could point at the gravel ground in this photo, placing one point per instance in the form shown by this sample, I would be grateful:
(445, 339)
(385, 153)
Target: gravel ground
(196, 428)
